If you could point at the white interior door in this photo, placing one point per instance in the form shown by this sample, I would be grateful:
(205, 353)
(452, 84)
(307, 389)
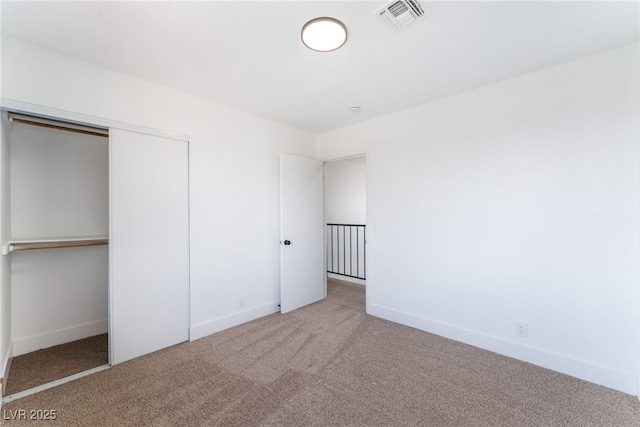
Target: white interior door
(302, 268)
(148, 245)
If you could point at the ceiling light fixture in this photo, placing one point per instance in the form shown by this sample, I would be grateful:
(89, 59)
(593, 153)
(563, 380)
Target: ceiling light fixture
(324, 34)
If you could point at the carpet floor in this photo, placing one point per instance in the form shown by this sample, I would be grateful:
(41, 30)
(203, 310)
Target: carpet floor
(50, 364)
(328, 364)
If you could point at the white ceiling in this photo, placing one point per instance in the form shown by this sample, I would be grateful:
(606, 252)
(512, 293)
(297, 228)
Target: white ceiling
(248, 55)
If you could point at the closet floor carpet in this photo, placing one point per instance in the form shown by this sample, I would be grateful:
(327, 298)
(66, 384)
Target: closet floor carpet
(60, 361)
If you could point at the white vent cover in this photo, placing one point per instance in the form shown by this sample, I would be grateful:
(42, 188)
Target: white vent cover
(399, 14)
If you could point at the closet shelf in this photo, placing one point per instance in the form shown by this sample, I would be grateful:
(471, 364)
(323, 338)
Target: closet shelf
(53, 243)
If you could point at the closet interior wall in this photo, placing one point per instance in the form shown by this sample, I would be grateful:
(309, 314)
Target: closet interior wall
(59, 189)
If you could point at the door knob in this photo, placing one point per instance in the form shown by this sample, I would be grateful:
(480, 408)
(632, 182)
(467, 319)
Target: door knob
(287, 242)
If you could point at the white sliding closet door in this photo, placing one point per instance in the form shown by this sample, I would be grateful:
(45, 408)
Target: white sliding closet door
(149, 244)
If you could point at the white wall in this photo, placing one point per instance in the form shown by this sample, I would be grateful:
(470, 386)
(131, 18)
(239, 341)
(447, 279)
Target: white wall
(59, 187)
(345, 185)
(234, 173)
(59, 183)
(58, 296)
(513, 202)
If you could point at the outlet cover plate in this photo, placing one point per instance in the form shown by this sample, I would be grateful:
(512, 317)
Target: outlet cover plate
(522, 330)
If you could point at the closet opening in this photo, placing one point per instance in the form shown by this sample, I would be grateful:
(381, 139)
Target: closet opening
(55, 237)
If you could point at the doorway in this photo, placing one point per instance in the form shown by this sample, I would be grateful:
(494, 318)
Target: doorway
(317, 195)
(345, 217)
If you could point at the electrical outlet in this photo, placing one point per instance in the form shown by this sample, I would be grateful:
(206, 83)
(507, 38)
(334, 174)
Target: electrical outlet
(522, 330)
(241, 301)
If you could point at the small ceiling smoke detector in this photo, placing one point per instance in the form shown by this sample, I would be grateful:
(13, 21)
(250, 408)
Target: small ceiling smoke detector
(354, 108)
(324, 34)
(399, 14)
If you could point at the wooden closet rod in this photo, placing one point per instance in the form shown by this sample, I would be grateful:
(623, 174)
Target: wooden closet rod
(53, 124)
(63, 242)
(28, 246)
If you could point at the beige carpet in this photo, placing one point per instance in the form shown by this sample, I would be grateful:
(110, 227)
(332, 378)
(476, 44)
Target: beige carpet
(329, 364)
(50, 364)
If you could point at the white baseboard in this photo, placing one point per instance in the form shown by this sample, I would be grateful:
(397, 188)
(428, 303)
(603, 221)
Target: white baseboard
(6, 366)
(60, 336)
(621, 381)
(347, 279)
(211, 327)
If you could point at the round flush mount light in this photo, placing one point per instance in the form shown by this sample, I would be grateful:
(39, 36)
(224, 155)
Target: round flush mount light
(324, 34)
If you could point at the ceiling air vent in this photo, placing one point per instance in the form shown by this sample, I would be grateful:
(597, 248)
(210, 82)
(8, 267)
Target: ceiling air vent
(399, 14)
